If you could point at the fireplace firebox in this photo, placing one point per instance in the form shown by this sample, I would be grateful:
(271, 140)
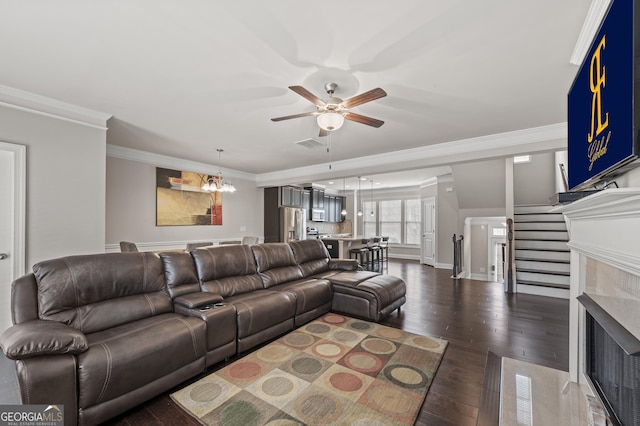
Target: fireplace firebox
(612, 363)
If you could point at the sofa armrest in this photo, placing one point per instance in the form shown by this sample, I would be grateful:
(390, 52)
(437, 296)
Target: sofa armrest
(344, 264)
(41, 337)
(196, 300)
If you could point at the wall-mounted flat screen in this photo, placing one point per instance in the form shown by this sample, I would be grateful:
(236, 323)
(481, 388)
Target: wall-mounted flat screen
(602, 112)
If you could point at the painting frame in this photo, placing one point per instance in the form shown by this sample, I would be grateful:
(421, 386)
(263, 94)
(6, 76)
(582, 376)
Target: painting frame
(181, 201)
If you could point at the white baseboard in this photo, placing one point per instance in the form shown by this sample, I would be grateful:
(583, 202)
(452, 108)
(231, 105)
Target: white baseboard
(404, 256)
(444, 266)
(480, 277)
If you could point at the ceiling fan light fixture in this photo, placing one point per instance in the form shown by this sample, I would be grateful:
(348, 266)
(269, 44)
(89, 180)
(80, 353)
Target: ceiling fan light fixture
(330, 120)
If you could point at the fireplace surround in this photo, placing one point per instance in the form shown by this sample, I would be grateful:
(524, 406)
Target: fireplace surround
(612, 364)
(604, 238)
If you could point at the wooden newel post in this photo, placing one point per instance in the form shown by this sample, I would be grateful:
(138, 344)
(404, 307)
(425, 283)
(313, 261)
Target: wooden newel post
(457, 255)
(508, 284)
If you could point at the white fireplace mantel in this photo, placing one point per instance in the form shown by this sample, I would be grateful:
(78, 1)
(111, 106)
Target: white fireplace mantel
(604, 237)
(605, 226)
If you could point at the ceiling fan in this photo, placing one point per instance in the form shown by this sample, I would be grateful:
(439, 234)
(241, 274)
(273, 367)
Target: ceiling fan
(331, 112)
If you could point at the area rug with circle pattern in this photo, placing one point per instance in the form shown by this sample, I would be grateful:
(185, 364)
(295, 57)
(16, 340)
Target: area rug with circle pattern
(334, 370)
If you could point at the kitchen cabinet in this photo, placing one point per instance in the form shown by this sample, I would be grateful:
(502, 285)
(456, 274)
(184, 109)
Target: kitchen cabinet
(330, 208)
(333, 208)
(306, 200)
(291, 196)
(340, 202)
(317, 198)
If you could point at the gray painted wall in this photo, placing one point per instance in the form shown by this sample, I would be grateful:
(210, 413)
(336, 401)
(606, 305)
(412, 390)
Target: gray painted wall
(479, 250)
(131, 208)
(534, 182)
(447, 209)
(65, 182)
(480, 184)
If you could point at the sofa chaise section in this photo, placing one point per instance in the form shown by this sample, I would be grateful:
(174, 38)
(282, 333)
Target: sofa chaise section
(362, 294)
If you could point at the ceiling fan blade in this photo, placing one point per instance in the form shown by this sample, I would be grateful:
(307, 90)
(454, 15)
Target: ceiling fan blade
(363, 119)
(289, 117)
(365, 97)
(307, 95)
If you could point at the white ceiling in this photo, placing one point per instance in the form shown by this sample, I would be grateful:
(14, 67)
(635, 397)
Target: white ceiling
(182, 78)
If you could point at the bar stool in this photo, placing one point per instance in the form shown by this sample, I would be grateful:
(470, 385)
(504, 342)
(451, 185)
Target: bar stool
(384, 250)
(374, 254)
(361, 254)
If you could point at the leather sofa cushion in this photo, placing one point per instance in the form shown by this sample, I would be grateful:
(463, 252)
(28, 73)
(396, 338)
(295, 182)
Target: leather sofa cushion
(276, 263)
(309, 293)
(100, 291)
(24, 299)
(352, 277)
(311, 255)
(40, 337)
(180, 273)
(227, 270)
(131, 356)
(262, 309)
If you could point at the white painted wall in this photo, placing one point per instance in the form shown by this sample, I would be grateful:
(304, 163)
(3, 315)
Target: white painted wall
(65, 178)
(131, 208)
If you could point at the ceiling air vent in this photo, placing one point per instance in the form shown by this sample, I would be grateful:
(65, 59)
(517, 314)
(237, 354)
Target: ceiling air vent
(309, 143)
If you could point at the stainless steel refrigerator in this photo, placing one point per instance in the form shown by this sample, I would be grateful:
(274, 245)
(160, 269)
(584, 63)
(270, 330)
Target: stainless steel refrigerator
(293, 224)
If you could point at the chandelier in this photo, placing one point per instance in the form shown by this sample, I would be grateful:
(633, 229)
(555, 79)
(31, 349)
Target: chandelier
(218, 183)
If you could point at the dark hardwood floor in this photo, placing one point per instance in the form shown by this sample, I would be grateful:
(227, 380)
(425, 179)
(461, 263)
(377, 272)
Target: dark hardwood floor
(474, 316)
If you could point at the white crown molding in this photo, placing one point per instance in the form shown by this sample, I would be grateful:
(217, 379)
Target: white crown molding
(429, 182)
(42, 105)
(538, 139)
(160, 160)
(591, 24)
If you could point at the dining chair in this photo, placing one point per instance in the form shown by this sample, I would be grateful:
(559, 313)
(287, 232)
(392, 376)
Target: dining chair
(128, 247)
(192, 246)
(249, 240)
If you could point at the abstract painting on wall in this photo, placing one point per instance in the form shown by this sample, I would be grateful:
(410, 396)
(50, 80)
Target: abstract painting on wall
(181, 201)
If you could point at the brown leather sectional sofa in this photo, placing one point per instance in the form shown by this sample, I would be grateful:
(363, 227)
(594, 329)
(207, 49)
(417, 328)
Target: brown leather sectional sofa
(103, 333)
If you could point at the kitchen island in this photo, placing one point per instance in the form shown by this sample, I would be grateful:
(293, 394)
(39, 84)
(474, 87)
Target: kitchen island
(339, 247)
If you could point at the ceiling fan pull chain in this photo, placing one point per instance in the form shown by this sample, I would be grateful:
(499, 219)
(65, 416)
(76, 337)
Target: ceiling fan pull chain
(329, 149)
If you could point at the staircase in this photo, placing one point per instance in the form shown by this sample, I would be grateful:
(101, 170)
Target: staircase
(541, 253)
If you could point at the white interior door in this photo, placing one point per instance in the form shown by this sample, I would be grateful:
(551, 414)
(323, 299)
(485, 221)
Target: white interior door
(12, 195)
(429, 231)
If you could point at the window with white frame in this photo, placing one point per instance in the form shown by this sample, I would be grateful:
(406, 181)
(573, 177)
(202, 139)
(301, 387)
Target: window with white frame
(391, 220)
(412, 221)
(397, 219)
(369, 219)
